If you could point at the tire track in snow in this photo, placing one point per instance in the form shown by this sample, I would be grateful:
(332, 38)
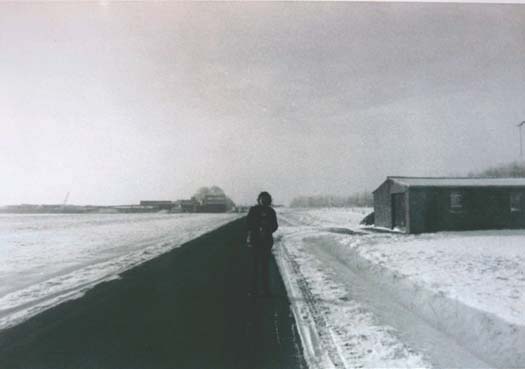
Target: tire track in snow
(442, 349)
(325, 337)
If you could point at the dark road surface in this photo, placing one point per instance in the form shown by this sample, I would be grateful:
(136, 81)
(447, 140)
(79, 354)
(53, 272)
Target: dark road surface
(186, 309)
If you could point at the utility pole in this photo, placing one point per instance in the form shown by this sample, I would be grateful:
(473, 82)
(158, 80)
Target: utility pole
(521, 142)
(65, 199)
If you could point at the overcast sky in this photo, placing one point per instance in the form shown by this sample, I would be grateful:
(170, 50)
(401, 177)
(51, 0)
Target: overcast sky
(120, 102)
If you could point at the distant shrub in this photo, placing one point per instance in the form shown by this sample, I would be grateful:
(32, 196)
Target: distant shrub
(362, 199)
(513, 170)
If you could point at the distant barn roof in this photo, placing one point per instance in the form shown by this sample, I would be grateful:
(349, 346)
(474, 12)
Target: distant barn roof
(458, 182)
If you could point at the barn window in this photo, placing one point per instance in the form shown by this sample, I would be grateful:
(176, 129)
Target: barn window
(457, 201)
(515, 201)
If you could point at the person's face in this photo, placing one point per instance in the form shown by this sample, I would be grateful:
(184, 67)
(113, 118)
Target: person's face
(265, 200)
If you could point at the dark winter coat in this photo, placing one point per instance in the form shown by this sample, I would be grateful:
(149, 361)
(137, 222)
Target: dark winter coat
(261, 222)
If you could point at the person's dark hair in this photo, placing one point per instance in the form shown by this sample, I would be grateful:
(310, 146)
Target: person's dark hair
(264, 198)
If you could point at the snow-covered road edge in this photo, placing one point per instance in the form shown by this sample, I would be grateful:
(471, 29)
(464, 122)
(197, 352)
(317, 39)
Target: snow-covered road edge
(315, 356)
(498, 342)
(61, 288)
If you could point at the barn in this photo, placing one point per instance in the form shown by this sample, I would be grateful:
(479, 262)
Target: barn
(213, 203)
(418, 204)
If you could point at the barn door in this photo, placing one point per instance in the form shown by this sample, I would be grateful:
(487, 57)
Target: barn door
(398, 210)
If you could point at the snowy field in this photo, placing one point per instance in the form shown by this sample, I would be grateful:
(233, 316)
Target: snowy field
(47, 259)
(449, 299)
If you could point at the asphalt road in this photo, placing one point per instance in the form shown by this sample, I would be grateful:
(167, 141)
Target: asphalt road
(186, 309)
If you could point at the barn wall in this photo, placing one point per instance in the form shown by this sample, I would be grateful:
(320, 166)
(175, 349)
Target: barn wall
(382, 206)
(484, 208)
(517, 219)
(383, 203)
(397, 188)
(417, 210)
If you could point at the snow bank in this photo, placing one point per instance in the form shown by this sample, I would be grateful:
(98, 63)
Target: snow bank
(323, 217)
(468, 285)
(477, 268)
(336, 330)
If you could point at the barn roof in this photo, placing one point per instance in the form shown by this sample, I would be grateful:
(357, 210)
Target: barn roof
(458, 182)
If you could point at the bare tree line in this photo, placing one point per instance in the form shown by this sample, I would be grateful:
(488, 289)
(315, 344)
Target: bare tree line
(361, 199)
(514, 170)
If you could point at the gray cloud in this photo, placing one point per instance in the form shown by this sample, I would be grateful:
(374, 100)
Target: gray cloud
(123, 101)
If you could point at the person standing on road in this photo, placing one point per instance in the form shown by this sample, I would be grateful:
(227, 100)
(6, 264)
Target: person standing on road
(262, 223)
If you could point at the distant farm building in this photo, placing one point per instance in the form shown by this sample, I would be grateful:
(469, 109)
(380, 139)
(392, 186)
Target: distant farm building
(213, 204)
(209, 203)
(417, 205)
(187, 206)
(161, 205)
